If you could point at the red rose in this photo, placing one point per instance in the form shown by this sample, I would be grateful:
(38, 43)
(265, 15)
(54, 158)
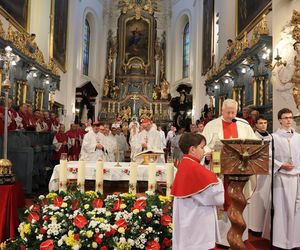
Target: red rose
(166, 220)
(152, 245)
(139, 204)
(121, 223)
(117, 205)
(75, 204)
(80, 221)
(57, 201)
(103, 248)
(22, 247)
(110, 233)
(33, 216)
(97, 239)
(46, 218)
(97, 203)
(42, 230)
(36, 207)
(76, 237)
(167, 242)
(47, 245)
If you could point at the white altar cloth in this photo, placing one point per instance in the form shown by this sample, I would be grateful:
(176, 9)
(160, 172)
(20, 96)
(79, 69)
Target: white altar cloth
(110, 172)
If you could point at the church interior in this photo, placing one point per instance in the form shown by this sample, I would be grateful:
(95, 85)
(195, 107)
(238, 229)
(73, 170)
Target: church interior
(95, 95)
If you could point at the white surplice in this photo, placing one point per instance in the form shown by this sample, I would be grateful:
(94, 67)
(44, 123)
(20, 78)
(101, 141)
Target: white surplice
(259, 200)
(244, 132)
(286, 232)
(88, 149)
(194, 214)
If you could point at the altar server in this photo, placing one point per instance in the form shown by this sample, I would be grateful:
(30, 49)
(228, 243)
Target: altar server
(286, 184)
(197, 191)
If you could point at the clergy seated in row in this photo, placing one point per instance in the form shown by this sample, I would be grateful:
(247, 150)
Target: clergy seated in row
(147, 139)
(98, 144)
(197, 191)
(75, 136)
(225, 127)
(286, 185)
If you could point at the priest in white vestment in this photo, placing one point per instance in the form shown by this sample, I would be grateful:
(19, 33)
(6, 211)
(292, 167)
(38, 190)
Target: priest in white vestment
(147, 139)
(92, 148)
(286, 228)
(225, 127)
(122, 145)
(197, 191)
(110, 144)
(259, 200)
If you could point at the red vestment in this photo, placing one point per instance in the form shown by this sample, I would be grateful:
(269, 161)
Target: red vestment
(76, 138)
(49, 123)
(60, 138)
(25, 119)
(13, 115)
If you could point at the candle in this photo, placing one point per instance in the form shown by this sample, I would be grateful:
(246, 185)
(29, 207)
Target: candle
(63, 175)
(99, 177)
(81, 175)
(133, 177)
(151, 177)
(277, 52)
(114, 70)
(157, 72)
(169, 176)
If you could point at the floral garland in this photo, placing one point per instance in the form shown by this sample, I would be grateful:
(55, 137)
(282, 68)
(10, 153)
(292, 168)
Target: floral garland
(87, 221)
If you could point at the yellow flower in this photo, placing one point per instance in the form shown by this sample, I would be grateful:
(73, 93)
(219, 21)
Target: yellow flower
(149, 215)
(53, 219)
(94, 244)
(100, 219)
(64, 204)
(89, 234)
(91, 193)
(123, 246)
(86, 206)
(164, 199)
(51, 195)
(3, 246)
(121, 230)
(136, 211)
(123, 206)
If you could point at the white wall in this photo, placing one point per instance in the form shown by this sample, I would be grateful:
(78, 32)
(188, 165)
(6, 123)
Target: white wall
(282, 98)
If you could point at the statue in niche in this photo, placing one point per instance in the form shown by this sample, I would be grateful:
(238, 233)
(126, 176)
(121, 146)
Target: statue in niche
(115, 91)
(109, 62)
(165, 89)
(105, 87)
(156, 92)
(229, 49)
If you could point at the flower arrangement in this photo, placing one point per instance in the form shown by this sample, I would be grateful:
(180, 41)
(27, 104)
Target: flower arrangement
(87, 221)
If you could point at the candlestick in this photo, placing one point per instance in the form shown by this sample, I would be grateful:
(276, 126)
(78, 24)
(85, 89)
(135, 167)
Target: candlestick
(133, 177)
(99, 177)
(169, 177)
(63, 175)
(151, 177)
(81, 175)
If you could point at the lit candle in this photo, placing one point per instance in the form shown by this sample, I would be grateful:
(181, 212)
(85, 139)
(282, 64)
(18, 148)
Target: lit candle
(99, 177)
(81, 175)
(152, 177)
(133, 177)
(169, 176)
(63, 175)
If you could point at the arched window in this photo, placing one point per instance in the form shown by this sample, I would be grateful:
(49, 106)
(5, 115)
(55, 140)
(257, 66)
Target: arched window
(86, 47)
(186, 51)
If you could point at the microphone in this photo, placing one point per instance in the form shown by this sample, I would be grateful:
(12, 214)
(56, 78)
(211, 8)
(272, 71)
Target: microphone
(236, 120)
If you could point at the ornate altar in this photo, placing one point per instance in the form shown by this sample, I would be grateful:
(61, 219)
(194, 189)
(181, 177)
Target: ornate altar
(135, 83)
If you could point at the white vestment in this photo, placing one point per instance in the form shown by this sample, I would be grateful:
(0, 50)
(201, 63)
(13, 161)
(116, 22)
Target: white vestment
(88, 149)
(195, 214)
(122, 146)
(244, 132)
(110, 148)
(259, 200)
(153, 141)
(286, 192)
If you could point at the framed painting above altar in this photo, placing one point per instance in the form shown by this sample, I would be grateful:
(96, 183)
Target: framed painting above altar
(248, 13)
(137, 39)
(16, 11)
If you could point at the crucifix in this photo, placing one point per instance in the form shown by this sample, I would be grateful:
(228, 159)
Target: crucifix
(134, 98)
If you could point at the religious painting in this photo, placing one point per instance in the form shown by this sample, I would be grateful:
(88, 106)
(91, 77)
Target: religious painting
(207, 36)
(59, 35)
(248, 13)
(16, 11)
(137, 39)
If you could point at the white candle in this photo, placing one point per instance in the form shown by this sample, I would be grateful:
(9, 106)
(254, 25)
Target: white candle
(99, 177)
(133, 177)
(157, 72)
(81, 175)
(169, 176)
(63, 175)
(152, 177)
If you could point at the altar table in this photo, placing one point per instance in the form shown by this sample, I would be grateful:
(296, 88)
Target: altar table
(110, 172)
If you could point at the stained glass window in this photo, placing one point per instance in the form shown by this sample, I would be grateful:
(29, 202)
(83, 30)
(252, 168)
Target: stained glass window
(86, 47)
(186, 51)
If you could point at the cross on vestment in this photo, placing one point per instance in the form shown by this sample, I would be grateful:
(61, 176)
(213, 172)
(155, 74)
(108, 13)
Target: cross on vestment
(134, 98)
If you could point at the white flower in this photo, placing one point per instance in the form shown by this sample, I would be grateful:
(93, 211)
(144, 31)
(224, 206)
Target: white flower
(39, 237)
(131, 242)
(122, 240)
(41, 197)
(60, 242)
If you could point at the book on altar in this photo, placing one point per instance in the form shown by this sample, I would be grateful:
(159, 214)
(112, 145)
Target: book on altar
(150, 151)
(243, 141)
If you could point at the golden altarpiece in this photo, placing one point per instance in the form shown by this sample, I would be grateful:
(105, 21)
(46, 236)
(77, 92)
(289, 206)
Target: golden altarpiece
(135, 83)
